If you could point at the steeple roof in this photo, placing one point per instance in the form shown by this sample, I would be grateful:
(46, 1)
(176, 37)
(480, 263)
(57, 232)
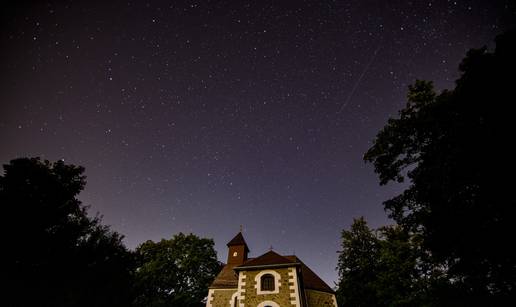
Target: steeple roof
(238, 240)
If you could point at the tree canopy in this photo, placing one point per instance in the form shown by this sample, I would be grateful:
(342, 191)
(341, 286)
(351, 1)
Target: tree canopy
(381, 267)
(358, 265)
(455, 149)
(175, 272)
(56, 254)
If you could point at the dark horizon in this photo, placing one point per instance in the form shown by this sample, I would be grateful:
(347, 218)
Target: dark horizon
(204, 117)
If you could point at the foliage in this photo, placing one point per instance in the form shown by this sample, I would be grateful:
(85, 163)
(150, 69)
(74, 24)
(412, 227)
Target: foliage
(175, 272)
(381, 267)
(455, 148)
(399, 281)
(358, 266)
(56, 255)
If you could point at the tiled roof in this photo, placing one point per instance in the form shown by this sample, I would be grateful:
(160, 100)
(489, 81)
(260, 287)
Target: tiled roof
(310, 279)
(228, 279)
(267, 259)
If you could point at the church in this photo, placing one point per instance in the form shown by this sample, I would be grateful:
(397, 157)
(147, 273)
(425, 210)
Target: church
(270, 280)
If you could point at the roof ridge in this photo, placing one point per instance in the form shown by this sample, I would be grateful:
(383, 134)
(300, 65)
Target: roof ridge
(267, 259)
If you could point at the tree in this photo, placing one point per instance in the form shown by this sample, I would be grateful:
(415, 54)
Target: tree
(56, 255)
(358, 266)
(455, 148)
(403, 278)
(381, 267)
(175, 272)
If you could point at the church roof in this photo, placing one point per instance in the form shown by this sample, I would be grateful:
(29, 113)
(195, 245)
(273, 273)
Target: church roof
(238, 240)
(310, 279)
(270, 258)
(228, 278)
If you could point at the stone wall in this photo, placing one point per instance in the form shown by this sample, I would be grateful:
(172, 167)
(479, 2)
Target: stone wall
(220, 297)
(282, 298)
(287, 295)
(320, 299)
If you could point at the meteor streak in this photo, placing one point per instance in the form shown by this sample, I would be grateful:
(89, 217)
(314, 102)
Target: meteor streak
(357, 83)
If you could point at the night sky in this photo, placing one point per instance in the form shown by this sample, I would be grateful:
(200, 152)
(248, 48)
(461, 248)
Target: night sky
(202, 116)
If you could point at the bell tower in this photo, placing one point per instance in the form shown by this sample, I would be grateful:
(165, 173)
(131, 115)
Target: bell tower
(237, 250)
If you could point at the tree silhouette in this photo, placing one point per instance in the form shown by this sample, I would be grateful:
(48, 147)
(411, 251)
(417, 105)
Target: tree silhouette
(456, 149)
(56, 255)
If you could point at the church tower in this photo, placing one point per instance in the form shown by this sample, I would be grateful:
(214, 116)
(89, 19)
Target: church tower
(238, 250)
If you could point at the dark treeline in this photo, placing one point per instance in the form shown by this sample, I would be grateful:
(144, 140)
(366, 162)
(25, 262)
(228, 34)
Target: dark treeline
(59, 256)
(452, 245)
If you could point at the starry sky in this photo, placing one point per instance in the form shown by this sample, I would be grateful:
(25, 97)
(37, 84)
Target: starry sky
(204, 116)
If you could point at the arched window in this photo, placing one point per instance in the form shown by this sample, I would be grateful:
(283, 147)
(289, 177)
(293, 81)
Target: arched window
(267, 283)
